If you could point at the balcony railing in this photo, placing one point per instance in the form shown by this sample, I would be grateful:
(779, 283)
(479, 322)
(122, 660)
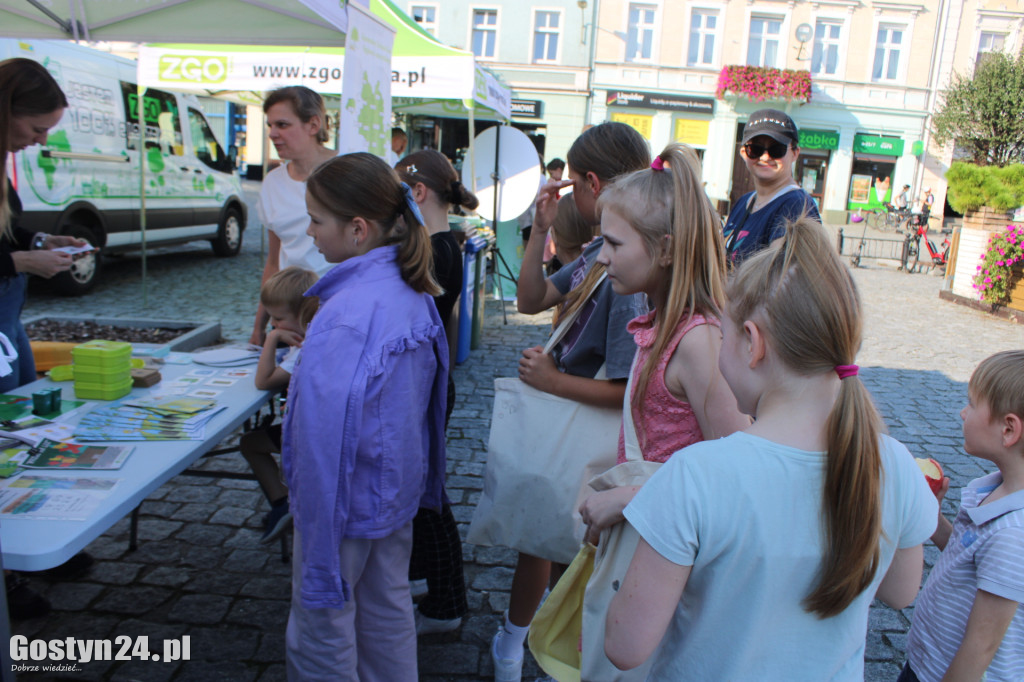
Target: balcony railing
(761, 83)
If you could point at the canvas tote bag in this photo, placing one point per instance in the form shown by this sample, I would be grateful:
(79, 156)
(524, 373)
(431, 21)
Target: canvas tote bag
(612, 559)
(541, 451)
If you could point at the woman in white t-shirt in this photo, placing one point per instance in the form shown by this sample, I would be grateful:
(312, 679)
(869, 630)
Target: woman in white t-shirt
(297, 120)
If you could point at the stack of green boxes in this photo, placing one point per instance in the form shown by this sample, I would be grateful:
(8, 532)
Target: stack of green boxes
(103, 369)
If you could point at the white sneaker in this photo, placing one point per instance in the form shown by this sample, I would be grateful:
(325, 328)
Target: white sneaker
(505, 669)
(418, 588)
(425, 625)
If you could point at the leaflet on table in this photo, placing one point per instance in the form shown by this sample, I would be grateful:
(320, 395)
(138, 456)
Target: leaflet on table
(41, 497)
(125, 415)
(171, 404)
(50, 454)
(231, 356)
(16, 408)
(12, 454)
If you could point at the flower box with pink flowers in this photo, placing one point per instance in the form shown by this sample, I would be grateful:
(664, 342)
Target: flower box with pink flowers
(761, 83)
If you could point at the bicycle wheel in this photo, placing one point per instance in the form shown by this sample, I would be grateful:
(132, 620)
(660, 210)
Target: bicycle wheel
(890, 222)
(874, 218)
(914, 256)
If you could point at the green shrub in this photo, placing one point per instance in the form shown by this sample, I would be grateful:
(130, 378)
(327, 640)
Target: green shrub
(971, 187)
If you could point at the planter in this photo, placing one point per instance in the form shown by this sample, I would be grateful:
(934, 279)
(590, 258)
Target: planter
(193, 334)
(987, 219)
(970, 247)
(1017, 292)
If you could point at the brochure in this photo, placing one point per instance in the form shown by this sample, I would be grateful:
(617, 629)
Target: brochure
(41, 497)
(50, 454)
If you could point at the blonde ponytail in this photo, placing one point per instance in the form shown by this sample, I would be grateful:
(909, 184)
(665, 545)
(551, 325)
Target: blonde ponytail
(807, 303)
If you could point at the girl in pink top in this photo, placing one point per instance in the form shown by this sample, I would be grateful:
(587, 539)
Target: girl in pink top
(663, 238)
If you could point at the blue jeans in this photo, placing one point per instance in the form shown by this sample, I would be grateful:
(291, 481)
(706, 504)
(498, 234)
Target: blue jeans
(12, 299)
(907, 675)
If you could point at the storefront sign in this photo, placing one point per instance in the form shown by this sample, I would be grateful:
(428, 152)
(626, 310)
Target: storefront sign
(527, 108)
(692, 132)
(819, 139)
(654, 100)
(875, 144)
(642, 124)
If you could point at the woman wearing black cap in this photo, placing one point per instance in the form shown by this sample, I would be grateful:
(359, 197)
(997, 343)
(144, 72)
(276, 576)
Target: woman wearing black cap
(770, 147)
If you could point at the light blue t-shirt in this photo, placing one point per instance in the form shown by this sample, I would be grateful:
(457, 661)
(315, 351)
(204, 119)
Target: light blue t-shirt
(746, 514)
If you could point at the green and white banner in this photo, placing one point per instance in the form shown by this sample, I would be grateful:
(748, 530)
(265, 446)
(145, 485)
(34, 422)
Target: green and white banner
(365, 124)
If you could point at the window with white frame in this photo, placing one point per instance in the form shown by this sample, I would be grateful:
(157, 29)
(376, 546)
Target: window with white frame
(763, 44)
(485, 33)
(547, 27)
(989, 42)
(888, 45)
(825, 53)
(703, 26)
(426, 17)
(640, 33)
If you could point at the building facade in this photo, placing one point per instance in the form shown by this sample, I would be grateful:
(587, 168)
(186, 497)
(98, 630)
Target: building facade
(541, 49)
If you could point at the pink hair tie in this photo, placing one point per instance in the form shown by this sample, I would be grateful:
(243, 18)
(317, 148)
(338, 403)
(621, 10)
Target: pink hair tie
(846, 371)
(658, 164)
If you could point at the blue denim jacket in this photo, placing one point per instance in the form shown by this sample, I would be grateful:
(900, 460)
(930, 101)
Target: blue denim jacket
(363, 442)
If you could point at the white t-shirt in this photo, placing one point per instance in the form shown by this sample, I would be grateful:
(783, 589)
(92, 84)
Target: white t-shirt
(288, 357)
(746, 514)
(282, 208)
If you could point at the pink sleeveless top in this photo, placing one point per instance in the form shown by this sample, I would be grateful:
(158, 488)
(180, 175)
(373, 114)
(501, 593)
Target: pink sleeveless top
(664, 423)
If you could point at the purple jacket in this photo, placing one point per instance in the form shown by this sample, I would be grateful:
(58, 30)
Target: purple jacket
(363, 443)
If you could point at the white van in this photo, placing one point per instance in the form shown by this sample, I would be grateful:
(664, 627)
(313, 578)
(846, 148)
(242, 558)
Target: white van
(86, 182)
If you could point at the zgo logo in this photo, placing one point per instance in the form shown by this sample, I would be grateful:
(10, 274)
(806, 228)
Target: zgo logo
(196, 69)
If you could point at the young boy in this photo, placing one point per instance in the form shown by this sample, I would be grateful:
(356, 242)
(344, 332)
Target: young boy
(967, 623)
(290, 313)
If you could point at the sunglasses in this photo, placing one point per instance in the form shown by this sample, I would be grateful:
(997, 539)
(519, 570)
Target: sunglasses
(776, 150)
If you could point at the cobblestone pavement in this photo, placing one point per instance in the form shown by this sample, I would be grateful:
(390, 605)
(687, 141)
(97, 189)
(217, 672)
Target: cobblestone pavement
(200, 571)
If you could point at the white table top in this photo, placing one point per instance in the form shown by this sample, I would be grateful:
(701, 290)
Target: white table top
(35, 545)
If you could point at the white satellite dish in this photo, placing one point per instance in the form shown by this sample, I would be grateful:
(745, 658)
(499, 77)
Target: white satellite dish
(518, 172)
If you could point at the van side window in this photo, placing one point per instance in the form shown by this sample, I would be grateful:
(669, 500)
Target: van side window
(163, 122)
(208, 150)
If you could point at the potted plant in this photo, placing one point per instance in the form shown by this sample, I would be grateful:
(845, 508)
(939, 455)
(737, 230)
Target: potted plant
(1000, 277)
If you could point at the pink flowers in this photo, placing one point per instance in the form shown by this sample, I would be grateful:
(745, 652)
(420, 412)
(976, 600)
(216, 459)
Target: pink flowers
(1002, 265)
(758, 83)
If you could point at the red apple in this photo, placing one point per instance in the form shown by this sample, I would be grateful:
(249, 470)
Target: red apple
(932, 471)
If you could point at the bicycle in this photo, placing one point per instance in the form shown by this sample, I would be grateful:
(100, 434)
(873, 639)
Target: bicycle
(890, 219)
(911, 258)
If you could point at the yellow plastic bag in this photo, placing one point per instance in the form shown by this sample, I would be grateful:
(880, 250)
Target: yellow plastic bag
(556, 629)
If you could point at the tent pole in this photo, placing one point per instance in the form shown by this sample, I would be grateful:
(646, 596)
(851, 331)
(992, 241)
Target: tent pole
(140, 90)
(469, 155)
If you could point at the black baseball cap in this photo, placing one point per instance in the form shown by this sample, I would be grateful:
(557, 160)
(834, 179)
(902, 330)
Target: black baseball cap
(773, 123)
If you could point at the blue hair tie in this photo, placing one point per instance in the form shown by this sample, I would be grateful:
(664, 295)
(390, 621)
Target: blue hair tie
(410, 201)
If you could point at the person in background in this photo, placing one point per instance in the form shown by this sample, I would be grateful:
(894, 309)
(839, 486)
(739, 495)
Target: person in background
(555, 169)
(363, 439)
(31, 102)
(927, 200)
(297, 121)
(903, 199)
(568, 235)
(770, 148)
(436, 544)
(399, 143)
(968, 622)
(290, 311)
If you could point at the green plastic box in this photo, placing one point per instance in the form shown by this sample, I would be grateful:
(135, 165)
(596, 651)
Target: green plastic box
(88, 391)
(85, 374)
(104, 355)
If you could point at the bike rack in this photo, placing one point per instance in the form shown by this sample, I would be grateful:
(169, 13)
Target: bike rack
(873, 247)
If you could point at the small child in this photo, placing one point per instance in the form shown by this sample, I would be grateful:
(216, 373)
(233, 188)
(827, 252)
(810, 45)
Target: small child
(290, 313)
(967, 624)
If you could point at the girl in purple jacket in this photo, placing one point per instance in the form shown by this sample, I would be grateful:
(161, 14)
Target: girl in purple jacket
(363, 441)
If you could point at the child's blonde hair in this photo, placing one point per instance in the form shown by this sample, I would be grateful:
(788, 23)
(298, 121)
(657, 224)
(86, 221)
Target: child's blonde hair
(362, 185)
(569, 230)
(672, 202)
(286, 288)
(804, 300)
(999, 381)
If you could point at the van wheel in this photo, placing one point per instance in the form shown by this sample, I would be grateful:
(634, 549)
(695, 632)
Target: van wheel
(85, 269)
(228, 241)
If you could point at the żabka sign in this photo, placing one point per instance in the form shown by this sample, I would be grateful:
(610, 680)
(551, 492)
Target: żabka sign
(819, 139)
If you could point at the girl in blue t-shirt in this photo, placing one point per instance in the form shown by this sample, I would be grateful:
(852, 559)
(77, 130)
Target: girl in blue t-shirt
(779, 535)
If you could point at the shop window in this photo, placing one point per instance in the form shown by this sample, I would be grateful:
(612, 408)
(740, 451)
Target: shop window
(825, 54)
(426, 17)
(989, 42)
(640, 34)
(763, 44)
(888, 45)
(485, 33)
(547, 27)
(703, 26)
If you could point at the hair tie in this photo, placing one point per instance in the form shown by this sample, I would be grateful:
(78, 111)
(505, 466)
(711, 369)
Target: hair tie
(846, 371)
(658, 164)
(410, 202)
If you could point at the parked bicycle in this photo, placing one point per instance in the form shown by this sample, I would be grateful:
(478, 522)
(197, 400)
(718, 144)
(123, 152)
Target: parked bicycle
(917, 240)
(890, 219)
